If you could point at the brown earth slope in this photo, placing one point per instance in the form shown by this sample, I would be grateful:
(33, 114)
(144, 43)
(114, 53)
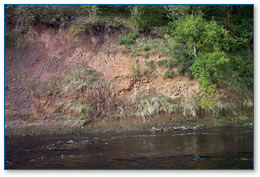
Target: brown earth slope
(55, 76)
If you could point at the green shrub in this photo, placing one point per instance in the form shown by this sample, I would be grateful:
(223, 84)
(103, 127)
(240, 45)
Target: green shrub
(176, 11)
(206, 44)
(200, 35)
(206, 103)
(184, 61)
(211, 69)
(79, 25)
(146, 55)
(147, 48)
(242, 117)
(171, 63)
(130, 39)
(169, 73)
(151, 65)
(82, 109)
(162, 63)
(143, 17)
(133, 35)
(239, 118)
(86, 112)
(127, 42)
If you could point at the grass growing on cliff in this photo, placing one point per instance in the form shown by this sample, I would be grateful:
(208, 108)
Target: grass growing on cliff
(81, 110)
(225, 106)
(151, 65)
(80, 78)
(148, 105)
(191, 107)
(169, 73)
(136, 72)
(151, 104)
(129, 40)
(162, 63)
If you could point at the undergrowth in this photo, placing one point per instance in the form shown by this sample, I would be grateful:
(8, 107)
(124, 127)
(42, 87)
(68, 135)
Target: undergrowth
(80, 78)
(147, 105)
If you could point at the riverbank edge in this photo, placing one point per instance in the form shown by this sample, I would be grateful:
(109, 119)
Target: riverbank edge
(118, 126)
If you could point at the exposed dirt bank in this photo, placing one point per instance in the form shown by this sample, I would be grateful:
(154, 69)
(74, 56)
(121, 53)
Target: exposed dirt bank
(60, 83)
(34, 73)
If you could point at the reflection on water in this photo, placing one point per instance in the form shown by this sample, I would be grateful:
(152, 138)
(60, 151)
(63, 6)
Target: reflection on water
(222, 148)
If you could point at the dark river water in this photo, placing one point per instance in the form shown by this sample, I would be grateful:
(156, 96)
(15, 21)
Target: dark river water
(218, 148)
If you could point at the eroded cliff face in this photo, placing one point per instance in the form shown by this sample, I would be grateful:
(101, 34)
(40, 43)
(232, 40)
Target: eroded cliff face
(58, 74)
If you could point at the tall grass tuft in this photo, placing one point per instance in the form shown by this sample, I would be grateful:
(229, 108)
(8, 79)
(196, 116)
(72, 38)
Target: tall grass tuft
(148, 105)
(191, 107)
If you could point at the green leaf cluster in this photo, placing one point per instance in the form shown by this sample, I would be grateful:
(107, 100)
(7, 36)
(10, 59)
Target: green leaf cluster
(211, 69)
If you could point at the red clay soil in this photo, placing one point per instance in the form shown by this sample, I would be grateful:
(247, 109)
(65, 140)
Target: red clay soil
(28, 69)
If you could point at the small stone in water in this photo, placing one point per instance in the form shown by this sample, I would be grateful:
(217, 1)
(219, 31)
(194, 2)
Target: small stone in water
(196, 158)
(244, 159)
(70, 141)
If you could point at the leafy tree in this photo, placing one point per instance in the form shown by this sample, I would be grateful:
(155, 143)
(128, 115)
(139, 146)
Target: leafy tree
(175, 12)
(211, 69)
(199, 35)
(144, 17)
(209, 43)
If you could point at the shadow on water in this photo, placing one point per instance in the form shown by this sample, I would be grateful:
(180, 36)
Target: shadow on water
(219, 148)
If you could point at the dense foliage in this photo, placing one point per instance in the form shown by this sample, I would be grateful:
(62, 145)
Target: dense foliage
(211, 69)
(213, 43)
